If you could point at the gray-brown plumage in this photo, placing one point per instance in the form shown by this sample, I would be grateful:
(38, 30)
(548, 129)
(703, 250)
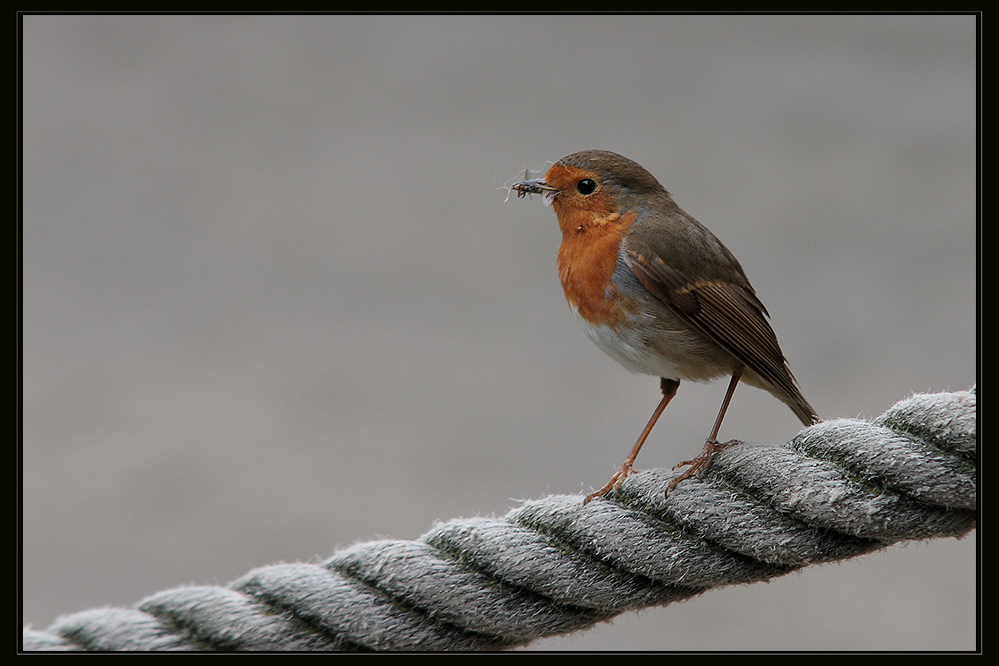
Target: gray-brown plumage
(657, 290)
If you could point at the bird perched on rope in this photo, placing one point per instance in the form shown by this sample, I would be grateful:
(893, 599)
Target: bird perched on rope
(657, 291)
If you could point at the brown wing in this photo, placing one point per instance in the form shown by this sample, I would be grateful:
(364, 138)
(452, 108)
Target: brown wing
(728, 313)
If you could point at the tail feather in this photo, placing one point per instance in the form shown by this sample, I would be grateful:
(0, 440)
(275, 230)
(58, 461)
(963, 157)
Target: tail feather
(802, 409)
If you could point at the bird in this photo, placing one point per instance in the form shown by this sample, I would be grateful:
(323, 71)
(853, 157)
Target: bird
(658, 292)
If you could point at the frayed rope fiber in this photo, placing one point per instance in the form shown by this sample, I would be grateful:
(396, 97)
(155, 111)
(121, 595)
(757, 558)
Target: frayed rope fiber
(552, 566)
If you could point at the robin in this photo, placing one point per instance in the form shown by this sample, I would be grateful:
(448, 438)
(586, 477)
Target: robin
(657, 291)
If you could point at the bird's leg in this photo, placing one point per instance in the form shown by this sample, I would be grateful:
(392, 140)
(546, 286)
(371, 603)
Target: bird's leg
(711, 446)
(668, 387)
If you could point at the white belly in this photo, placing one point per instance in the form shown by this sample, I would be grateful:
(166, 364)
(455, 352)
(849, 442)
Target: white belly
(654, 350)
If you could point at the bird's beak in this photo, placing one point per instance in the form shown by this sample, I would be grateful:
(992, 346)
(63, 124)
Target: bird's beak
(536, 186)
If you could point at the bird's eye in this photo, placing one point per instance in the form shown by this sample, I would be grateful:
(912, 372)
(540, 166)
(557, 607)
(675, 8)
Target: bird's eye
(586, 186)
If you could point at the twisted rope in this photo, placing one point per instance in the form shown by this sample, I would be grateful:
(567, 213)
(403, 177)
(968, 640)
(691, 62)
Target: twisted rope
(551, 566)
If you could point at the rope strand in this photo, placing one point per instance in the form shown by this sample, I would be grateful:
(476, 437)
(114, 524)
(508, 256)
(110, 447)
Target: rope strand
(551, 566)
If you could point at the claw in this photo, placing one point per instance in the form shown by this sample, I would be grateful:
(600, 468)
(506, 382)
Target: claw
(614, 483)
(700, 463)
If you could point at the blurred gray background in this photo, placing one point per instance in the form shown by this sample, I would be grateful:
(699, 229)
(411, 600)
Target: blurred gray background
(275, 301)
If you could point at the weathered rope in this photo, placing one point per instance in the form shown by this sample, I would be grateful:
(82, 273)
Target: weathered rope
(551, 566)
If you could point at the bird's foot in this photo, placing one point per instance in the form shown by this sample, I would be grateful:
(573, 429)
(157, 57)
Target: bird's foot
(700, 463)
(613, 484)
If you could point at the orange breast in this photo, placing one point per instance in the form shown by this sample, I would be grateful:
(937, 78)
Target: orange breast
(586, 262)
